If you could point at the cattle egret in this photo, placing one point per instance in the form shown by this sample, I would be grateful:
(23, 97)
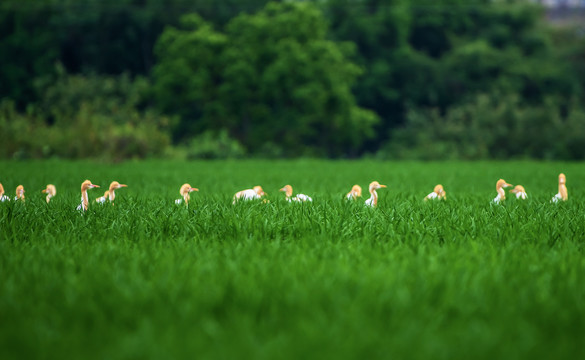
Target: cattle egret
(501, 193)
(50, 191)
(520, 192)
(438, 193)
(110, 193)
(2, 196)
(299, 198)
(373, 200)
(249, 194)
(356, 191)
(185, 192)
(19, 193)
(86, 185)
(562, 195)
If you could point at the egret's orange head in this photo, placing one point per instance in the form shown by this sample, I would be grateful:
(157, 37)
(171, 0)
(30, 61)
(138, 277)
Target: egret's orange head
(186, 188)
(374, 185)
(502, 183)
(258, 190)
(88, 185)
(287, 189)
(116, 185)
(517, 189)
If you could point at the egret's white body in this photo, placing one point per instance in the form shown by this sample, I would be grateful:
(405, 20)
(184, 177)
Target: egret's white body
(521, 195)
(520, 192)
(298, 198)
(249, 194)
(432, 196)
(438, 193)
(301, 198)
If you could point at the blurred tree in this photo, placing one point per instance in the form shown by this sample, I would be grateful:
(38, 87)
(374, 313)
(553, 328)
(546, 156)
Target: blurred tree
(90, 36)
(273, 77)
(421, 54)
(28, 49)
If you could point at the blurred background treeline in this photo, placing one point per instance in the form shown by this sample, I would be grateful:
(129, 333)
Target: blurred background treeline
(421, 79)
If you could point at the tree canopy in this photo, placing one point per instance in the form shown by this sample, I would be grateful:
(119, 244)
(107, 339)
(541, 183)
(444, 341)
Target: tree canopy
(328, 78)
(269, 77)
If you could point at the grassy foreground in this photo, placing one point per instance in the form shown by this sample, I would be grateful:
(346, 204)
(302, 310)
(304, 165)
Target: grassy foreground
(147, 279)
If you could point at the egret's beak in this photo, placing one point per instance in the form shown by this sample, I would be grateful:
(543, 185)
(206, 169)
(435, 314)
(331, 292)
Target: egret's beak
(283, 189)
(194, 189)
(123, 185)
(44, 191)
(383, 186)
(93, 186)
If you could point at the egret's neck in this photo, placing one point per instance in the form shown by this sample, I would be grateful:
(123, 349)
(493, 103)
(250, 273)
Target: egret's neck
(563, 191)
(374, 197)
(112, 195)
(501, 192)
(84, 199)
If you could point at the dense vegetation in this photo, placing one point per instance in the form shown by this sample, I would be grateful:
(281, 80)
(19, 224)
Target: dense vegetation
(457, 279)
(335, 78)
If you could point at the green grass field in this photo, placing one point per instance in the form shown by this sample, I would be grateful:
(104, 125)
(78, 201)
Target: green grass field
(461, 279)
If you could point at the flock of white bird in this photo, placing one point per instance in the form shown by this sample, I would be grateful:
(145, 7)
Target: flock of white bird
(257, 193)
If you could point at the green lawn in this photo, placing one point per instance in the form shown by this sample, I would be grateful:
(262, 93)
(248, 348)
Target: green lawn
(461, 279)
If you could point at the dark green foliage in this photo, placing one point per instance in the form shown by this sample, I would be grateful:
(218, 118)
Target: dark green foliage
(332, 78)
(80, 117)
(272, 76)
(492, 127)
(147, 279)
(211, 145)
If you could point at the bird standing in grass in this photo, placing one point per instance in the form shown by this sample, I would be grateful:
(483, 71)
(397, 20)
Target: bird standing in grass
(110, 193)
(2, 196)
(86, 185)
(249, 194)
(50, 191)
(520, 192)
(19, 193)
(373, 200)
(185, 192)
(501, 193)
(299, 198)
(562, 195)
(438, 193)
(356, 191)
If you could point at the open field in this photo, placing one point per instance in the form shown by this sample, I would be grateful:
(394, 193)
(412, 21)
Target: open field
(147, 279)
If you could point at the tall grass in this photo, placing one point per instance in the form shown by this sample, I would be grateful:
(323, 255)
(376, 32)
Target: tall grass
(147, 279)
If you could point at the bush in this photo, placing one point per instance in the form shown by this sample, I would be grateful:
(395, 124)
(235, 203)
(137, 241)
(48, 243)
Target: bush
(491, 127)
(85, 116)
(214, 145)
